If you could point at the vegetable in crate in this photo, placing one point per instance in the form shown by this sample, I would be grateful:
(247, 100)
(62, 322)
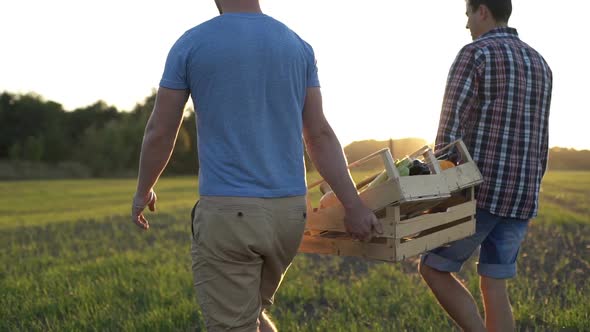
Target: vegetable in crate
(444, 164)
(403, 166)
(382, 177)
(419, 168)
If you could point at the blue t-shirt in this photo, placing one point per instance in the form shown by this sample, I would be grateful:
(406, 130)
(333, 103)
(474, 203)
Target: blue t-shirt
(247, 75)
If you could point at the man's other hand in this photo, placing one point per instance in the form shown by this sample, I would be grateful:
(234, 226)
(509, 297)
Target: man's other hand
(139, 204)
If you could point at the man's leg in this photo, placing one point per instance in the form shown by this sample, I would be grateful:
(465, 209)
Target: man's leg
(226, 267)
(497, 262)
(454, 298)
(266, 325)
(286, 226)
(497, 305)
(437, 265)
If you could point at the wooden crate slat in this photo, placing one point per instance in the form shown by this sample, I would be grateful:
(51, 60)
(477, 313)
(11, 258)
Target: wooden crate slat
(412, 209)
(389, 222)
(419, 245)
(346, 247)
(462, 176)
(422, 187)
(365, 250)
(386, 251)
(412, 226)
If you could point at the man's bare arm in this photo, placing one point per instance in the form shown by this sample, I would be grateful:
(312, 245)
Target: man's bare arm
(327, 155)
(158, 143)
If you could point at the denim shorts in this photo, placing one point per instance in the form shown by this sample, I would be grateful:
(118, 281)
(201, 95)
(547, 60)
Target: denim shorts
(499, 238)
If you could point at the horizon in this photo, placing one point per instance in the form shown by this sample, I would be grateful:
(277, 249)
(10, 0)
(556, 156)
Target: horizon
(381, 77)
(189, 105)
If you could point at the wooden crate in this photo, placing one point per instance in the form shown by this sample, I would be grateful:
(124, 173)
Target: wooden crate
(418, 213)
(464, 175)
(401, 238)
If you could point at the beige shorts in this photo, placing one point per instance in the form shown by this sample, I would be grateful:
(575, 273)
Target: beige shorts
(241, 249)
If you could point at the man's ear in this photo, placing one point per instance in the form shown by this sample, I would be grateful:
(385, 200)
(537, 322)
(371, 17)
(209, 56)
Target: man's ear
(484, 12)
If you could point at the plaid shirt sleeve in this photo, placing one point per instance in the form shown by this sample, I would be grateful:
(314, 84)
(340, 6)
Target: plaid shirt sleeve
(545, 144)
(460, 97)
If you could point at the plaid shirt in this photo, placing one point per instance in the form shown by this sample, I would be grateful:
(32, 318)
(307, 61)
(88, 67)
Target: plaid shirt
(497, 100)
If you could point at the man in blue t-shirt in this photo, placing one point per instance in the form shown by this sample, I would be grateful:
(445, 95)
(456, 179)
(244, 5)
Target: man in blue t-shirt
(255, 88)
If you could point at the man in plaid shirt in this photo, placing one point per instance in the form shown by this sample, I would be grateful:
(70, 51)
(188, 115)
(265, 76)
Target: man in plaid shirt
(497, 100)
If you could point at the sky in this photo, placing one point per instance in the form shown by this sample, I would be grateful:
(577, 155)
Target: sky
(382, 64)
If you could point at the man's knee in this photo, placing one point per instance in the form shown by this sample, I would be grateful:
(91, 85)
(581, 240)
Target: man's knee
(422, 269)
(426, 271)
(430, 274)
(492, 285)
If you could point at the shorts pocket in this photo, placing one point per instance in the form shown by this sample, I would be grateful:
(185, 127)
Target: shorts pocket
(196, 222)
(193, 218)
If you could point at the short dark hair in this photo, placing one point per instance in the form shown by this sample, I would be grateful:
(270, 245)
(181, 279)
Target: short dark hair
(501, 9)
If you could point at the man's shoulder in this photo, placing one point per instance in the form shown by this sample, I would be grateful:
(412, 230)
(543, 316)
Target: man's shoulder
(468, 51)
(498, 44)
(213, 24)
(482, 44)
(495, 40)
(203, 27)
(482, 47)
(292, 32)
(532, 51)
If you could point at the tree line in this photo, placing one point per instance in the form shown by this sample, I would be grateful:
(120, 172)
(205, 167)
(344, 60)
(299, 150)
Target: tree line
(106, 142)
(99, 137)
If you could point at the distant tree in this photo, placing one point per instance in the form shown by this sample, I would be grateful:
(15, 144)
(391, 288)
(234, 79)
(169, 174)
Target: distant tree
(56, 145)
(569, 159)
(144, 109)
(30, 115)
(15, 152)
(184, 159)
(97, 115)
(33, 149)
(114, 148)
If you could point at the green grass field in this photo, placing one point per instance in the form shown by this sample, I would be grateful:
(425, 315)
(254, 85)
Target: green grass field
(73, 261)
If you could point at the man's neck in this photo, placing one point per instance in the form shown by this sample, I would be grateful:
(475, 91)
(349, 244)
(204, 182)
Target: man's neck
(495, 25)
(242, 11)
(241, 7)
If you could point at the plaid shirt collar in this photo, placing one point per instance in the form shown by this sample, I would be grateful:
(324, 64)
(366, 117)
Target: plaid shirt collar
(503, 32)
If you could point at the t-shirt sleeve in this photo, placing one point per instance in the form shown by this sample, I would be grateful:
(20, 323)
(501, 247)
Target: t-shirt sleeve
(175, 70)
(312, 68)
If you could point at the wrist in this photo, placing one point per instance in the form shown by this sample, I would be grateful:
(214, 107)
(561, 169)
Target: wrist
(143, 198)
(355, 204)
